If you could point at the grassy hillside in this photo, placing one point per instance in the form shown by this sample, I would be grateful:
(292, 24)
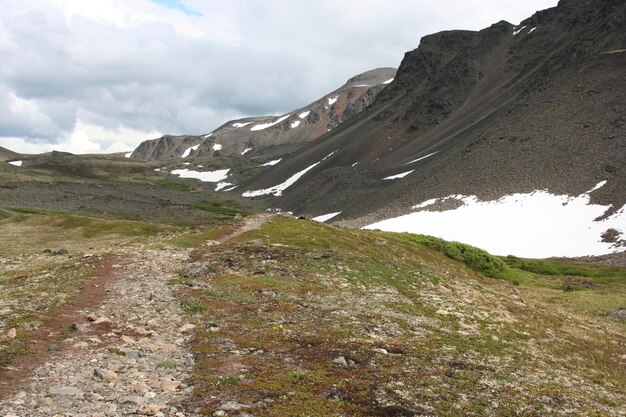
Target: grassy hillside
(301, 318)
(298, 318)
(108, 186)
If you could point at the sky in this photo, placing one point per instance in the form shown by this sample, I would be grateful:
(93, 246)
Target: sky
(104, 75)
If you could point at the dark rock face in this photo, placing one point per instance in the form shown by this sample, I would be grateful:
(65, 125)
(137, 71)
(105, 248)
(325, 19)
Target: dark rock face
(166, 147)
(507, 109)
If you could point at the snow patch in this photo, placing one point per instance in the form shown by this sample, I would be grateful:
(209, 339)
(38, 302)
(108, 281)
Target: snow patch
(206, 176)
(188, 151)
(217, 147)
(16, 163)
(238, 125)
(127, 155)
(515, 32)
(208, 136)
(325, 217)
(295, 124)
(535, 225)
(394, 177)
(355, 164)
(532, 30)
(362, 85)
(277, 190)
(230, 189)
(332, 101)
(245, 151)
(304, 114)
(388, 81)
(221, 185)
(186, 163)
(419, 159)
(271, 163)
(266, 125)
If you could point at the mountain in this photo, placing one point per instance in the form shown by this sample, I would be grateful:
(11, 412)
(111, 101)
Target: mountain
(475, 117)
(6, 154)
(253, 133)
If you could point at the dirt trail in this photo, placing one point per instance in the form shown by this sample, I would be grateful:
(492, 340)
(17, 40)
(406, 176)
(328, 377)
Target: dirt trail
(128, 351)
(93, 294)
(250, 223)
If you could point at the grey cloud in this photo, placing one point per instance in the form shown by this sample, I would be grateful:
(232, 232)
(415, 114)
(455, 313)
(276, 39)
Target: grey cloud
(274, 56)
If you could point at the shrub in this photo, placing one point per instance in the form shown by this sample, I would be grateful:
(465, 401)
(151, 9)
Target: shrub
(475, 258)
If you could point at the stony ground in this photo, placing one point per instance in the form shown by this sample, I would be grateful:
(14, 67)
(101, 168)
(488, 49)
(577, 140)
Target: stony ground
(272, 316)
(127, 355)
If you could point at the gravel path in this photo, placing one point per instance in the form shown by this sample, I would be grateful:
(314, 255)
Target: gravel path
(128, 355)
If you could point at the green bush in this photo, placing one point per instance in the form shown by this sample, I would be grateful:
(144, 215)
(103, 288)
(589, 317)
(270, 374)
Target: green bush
(476, 259)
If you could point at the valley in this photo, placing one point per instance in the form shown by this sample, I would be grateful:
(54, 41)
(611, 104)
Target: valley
(442, 239)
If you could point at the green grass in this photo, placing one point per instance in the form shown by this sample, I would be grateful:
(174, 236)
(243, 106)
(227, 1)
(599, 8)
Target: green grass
(456, 338)
(546, 267)
(193, 306)
(173, 186)
(168, 364)
(223, 209)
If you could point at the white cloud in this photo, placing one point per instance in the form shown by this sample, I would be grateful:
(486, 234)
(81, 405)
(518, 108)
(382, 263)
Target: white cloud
(85, 138)
(145, 67)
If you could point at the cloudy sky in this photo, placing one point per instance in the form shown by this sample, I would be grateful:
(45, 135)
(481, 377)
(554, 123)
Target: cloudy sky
(103, 75)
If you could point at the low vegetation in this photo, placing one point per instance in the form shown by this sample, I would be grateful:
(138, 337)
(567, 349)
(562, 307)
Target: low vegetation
(301, 318)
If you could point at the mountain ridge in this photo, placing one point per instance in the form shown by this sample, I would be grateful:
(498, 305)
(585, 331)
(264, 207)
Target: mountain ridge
(236, 135)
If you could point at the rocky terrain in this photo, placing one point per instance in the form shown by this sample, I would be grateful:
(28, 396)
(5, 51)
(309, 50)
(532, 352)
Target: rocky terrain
(273, 316)
(508, 109)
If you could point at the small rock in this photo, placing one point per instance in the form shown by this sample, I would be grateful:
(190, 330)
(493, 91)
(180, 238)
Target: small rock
(150, 394)
(198, 272)
(140, 387)
(219, 413)
(60, 252)
(189, 361)
(128, 339)
(381, 351)
(232, 406)
(12, 333)
(618, 313)
(132, 399)
(65, 391)
(186, 328)
(105, 374)
(102, 320)
(545, 399)
(331, 394)
(132, 354)
(168, 384)
(111, 410)
(340, 360)
(150, 410)
(143, 332)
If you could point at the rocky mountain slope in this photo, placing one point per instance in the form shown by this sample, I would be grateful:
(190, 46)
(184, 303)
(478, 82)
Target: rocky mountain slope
(509, 109)
(306, 124)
